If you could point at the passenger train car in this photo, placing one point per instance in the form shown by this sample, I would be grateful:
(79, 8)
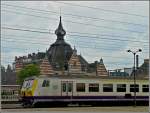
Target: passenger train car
(82, 89)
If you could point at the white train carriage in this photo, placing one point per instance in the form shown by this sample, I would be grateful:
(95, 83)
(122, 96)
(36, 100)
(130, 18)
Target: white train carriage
(82, 89)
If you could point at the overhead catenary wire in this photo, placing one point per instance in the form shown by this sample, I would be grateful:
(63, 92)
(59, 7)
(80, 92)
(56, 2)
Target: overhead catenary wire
(34, 31)
(15, 48)
(100, 9)
(28, 42)
(43, 41)
(99, 40)
(74, 33)
(46, 32)
(82, 46)
(88, 54)
(75, 15)
(86, 24)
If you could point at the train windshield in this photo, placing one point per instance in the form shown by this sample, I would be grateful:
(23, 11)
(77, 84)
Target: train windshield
(28, 84)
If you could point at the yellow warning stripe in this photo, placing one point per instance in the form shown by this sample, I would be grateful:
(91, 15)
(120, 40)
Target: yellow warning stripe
(34, 86)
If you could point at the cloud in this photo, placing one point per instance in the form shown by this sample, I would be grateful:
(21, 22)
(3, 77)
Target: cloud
(91, 48)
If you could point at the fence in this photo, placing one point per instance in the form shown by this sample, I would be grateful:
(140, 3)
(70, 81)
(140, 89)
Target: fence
(10, 92)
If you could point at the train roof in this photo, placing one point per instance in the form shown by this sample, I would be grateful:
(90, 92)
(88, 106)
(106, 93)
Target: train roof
(84, 77)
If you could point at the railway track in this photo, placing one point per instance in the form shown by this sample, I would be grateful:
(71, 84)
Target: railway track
(19, 105)
(80, 109)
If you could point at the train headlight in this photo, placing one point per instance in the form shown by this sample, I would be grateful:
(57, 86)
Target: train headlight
(29, 93)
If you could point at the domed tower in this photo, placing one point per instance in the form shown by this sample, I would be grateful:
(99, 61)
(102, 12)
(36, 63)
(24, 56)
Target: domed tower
(59, 52)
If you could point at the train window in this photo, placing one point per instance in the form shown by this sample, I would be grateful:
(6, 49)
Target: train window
(132, 88)
(25, 84)
(69, 87)
(121, 87)
(93, 87)
(107, 87)
(64, 87)
(145, 88)
(80, 87)
(45, 83)
(30, 83)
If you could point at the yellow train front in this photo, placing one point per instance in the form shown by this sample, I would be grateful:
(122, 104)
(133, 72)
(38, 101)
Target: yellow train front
(28, 91)
(63, 90)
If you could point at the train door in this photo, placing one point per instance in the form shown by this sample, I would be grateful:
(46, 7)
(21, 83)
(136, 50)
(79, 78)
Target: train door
(67, 88)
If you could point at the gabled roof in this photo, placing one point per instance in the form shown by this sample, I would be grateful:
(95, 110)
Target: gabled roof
(82, 60)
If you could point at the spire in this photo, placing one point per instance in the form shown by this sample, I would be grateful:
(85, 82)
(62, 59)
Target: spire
(101, 61)
(74, 51)
(60, 32)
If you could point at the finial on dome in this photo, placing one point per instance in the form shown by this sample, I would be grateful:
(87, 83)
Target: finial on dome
(60, 32)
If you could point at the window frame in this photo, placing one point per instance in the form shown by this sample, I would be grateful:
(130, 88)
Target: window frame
(145, 87)
(121, 87)
(82, 87)
(132, 87)
(46, 83)
(70, 87)
(104, 86)
(91, 87)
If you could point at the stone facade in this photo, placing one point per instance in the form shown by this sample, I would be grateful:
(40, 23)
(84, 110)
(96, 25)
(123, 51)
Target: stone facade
(74, 63)
(45, 68)
(22, 61)
(101, 70)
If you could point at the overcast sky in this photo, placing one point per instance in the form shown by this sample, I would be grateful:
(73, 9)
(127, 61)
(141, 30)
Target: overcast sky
(96, 28)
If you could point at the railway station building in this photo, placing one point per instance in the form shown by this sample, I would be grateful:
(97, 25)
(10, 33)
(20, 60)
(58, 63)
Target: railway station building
(62, 59)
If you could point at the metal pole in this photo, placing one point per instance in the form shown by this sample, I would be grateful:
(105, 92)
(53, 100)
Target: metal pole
(134, 69)
(134, 83)
(96, 68)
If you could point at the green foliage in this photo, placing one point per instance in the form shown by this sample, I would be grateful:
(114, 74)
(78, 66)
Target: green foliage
(28, 71)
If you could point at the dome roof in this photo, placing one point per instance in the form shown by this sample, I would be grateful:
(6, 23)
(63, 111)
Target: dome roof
(60, 51)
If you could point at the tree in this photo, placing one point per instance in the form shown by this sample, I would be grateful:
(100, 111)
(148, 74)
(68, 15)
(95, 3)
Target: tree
(28, 71)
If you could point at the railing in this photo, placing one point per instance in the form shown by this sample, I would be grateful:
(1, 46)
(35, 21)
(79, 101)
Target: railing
(10, 93)
(10, 97)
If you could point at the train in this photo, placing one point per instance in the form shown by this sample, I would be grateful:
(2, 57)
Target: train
(63, 90)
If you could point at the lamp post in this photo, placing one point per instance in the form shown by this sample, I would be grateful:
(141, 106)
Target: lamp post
(134, 53)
